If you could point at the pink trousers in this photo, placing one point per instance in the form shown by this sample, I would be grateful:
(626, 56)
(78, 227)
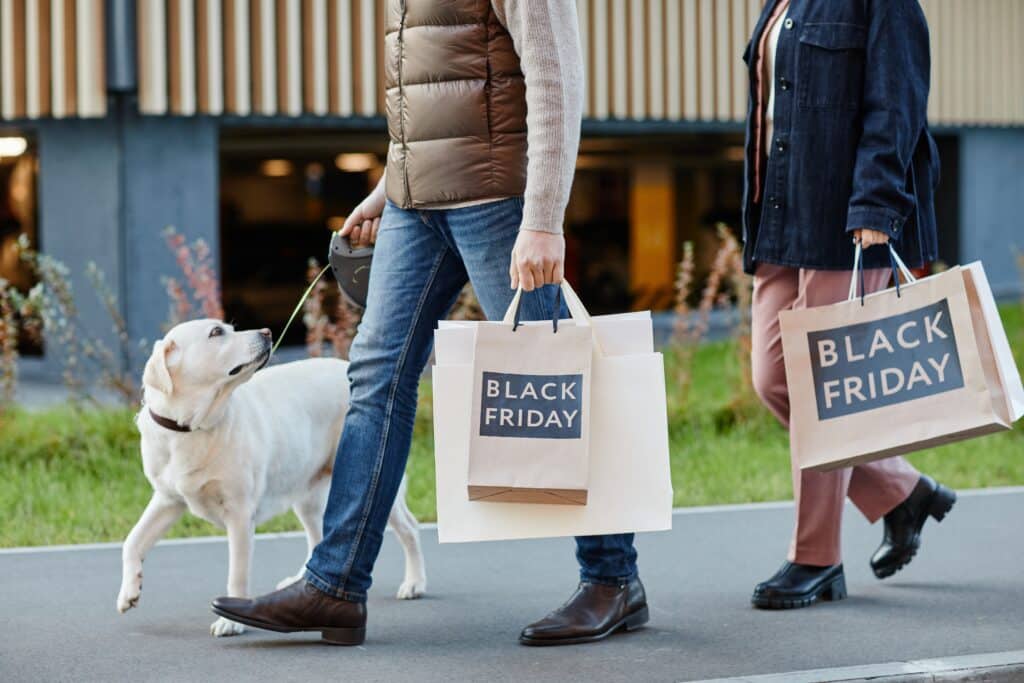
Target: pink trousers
(875, 488)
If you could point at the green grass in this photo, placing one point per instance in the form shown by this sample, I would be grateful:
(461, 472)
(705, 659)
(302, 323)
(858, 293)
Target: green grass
(70, 476)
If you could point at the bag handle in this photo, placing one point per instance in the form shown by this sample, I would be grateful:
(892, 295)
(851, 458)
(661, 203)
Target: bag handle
(898, 268)
(577, 310)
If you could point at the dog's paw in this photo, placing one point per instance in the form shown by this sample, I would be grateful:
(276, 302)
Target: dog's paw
(128, 597)
(412, 588)
(225, 627)
(287, 581)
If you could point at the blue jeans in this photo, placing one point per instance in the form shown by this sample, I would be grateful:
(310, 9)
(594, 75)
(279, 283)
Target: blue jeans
(421, 262)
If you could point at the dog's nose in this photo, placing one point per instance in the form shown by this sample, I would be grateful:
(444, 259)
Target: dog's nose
(266, 334)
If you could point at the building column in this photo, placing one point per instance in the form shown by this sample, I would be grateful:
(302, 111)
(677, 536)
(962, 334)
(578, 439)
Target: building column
(991, 190)
(79, 209)
(107, 189)
(170, 177)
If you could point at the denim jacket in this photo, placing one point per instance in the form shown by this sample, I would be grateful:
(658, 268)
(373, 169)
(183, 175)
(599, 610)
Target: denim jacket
(851, 147)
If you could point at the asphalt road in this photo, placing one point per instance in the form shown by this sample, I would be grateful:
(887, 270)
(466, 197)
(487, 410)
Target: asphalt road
(963, 595)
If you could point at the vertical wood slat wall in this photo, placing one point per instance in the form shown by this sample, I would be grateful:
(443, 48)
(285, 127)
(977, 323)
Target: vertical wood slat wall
(645, 59)
(260, 57)
(52, 59)
(693, 71)
(977, 61)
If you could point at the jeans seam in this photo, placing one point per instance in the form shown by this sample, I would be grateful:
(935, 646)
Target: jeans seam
(385, 427)
(609, 580)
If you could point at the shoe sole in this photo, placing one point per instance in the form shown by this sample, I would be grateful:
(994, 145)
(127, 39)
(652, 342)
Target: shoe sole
(333, 636)
(832, 591)
(939, 506)
(630, 622)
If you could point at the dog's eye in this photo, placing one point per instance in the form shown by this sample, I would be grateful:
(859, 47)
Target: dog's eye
(217, 332)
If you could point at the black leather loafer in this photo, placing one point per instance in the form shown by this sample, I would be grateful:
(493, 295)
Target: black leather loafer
(594, 612)
(800, 585)
(902, 536)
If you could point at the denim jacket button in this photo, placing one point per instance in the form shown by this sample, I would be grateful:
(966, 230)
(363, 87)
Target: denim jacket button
(784, 84)
(788, 23)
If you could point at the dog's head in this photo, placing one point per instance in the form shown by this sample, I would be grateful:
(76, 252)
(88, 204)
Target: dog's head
(198, 363)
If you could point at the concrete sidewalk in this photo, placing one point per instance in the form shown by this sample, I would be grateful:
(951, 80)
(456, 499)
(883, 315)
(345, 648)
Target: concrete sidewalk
(963, 595)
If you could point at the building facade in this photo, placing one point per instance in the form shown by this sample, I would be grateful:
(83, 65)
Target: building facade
(258, 124)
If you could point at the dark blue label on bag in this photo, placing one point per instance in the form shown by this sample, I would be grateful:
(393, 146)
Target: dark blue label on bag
(531, 406)
(883, 362)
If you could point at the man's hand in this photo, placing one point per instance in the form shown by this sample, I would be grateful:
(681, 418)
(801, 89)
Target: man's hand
(362, 224)
(869, 238)
(538, 259)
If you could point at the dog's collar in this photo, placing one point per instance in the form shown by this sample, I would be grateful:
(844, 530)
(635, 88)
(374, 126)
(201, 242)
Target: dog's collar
(168, 423)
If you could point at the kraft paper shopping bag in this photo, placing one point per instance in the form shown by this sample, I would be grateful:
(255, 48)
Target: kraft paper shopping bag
(1001, 369)
(896, 371)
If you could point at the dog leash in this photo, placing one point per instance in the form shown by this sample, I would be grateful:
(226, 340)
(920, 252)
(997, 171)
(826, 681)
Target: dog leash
(298, 307)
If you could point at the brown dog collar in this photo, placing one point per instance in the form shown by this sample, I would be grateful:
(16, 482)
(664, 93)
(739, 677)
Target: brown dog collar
(168, 423)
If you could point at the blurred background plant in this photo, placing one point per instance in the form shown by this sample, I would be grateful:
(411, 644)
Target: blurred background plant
(329, 317)
(467, 306)
(725, 448)
(48, 316)
(8, 347)
(198, 290)
(728, 289)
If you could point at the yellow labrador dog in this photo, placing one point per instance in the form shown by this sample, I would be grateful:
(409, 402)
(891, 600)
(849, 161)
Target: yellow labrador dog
(237, 447)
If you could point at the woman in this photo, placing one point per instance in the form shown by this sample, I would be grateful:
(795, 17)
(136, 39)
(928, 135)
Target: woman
(838, 152)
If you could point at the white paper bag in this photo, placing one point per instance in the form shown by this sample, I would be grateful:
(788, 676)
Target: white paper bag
(630, 485)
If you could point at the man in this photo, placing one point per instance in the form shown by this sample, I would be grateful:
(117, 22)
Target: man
(471, 84)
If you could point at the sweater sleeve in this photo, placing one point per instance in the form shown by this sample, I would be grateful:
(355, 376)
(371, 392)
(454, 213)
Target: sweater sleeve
(546, 37)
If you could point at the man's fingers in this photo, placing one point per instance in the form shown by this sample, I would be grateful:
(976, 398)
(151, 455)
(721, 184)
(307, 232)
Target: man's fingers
(355, 234)
(353, 220)
(558, 274)
(374, 230)
(537, 271)
(526, 279)
(549, 273)
(365, 234)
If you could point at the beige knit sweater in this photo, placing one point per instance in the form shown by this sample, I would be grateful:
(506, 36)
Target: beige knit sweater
(546, 36)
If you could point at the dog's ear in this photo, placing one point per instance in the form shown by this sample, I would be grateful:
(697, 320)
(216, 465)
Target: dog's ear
(156, 374)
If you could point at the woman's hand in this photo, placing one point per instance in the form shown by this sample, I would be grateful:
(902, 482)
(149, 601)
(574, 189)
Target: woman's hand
(869, 238)
(362, 224)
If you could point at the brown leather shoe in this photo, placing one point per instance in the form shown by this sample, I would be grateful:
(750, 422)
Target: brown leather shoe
(299, 607)
(594, 611)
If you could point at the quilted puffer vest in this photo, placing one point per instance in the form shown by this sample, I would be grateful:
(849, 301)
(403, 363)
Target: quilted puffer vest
(456, 104)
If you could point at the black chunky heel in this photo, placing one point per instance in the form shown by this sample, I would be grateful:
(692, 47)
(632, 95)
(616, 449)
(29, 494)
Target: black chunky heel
(343, 636)
(941, 503)
(835, 590)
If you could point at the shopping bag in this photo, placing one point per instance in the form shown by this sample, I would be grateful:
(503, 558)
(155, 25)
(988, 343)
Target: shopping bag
(921, 364)
(997, 359)
(629, 486)
(530, 425)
